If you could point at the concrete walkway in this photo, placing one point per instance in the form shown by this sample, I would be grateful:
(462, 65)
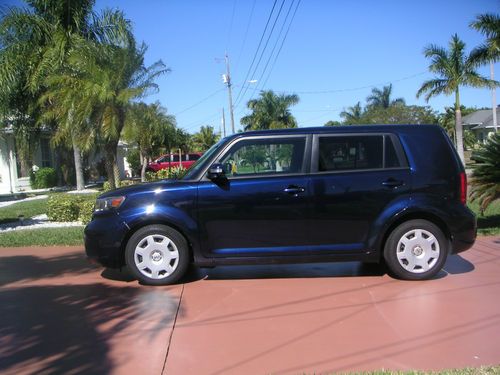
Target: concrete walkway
(58, 314)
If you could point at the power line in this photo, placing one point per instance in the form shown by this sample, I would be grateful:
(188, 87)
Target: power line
(282, 44)
(264, 49)
(360, 87)
(199, 102)
(246, 35)
(258, 47)
(231, 25)
(275, 43)
(198, 122)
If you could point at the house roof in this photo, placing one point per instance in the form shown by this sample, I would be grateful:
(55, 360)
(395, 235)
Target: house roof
(481, 119)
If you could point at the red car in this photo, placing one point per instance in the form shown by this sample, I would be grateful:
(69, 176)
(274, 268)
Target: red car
(172, 161)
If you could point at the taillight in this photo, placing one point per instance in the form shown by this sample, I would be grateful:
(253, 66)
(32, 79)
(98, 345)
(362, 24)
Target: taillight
(463, 188)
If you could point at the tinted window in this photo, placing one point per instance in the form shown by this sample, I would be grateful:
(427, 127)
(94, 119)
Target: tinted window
(350, 152)
(174, 158)
(264, 156)
(391, 158)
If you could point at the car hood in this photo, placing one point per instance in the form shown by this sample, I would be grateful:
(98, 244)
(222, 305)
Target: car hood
(146, 187)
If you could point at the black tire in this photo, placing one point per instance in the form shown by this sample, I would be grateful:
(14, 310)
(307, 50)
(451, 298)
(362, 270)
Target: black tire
(159, 258)
(410, 261)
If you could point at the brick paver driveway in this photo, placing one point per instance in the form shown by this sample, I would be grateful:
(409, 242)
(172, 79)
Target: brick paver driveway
(58, 314)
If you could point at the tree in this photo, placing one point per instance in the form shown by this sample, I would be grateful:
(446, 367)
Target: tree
(447, 119)
(332, 123)
(104, 80)
(270, 111)
(36, 42)
(382, 98)
(454, 69)
(399, 114)
(486, 177)
(353, 114)
(488, 52)
(149, 126)
(205, 138)
(489, 26)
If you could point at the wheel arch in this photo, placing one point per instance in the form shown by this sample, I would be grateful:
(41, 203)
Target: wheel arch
(156, 221)
(413, 215)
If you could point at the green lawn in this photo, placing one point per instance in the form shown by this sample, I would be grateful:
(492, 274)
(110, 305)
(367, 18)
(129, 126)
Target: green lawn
(489, 223)
(42, 237)
(28, 209)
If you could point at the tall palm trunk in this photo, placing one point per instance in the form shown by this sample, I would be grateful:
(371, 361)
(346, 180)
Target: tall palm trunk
(143, 167)
(77, 154)
(80, 181)
(110, 162)
(458, 128)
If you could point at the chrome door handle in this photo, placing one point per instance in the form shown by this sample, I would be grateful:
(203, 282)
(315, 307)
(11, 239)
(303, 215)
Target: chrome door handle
(294, 190)
(392, 183)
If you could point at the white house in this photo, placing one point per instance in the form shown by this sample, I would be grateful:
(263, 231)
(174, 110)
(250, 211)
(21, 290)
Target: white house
(481, 123)
(11, 178)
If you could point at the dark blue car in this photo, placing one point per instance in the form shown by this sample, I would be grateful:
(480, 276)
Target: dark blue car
(392, 193)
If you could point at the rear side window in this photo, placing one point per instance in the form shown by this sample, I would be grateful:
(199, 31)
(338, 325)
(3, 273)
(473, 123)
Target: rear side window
(350, 152)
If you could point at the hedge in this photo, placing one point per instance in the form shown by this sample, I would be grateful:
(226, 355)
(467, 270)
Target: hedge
(71, 207)
(43, 178)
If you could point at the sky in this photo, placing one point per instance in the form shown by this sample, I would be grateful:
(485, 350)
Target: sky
(334, 53)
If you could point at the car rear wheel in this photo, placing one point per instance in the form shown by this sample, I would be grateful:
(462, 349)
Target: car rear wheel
(416, 250)
(157, 255)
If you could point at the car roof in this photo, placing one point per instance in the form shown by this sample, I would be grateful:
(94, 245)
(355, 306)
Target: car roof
(335, 129)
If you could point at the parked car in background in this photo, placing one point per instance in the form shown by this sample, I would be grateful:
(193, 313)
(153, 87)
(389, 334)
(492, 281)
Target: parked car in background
(173, 161)
(393, 194)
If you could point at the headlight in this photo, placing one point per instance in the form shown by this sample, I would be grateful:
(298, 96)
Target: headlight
(103, 204)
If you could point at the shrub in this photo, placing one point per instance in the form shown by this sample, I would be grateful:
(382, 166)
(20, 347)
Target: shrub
(62, 207)
(174, 173)
(106, 186)
(86, 210)
(44, 178)
(70, 207)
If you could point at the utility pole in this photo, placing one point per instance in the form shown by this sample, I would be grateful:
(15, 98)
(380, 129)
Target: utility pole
(223, 123)
(226, 78)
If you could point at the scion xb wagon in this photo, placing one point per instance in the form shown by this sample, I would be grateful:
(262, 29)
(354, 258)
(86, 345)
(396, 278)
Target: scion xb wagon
(388, 193)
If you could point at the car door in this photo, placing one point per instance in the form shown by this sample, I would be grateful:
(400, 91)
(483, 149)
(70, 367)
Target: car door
(354, 178)
(261, 207)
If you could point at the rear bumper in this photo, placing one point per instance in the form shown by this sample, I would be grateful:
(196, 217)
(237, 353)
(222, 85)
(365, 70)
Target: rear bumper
(464, 232)
(104, 237)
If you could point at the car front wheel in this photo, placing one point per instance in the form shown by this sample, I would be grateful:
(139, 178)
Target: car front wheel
(157, 255)
(416, 250)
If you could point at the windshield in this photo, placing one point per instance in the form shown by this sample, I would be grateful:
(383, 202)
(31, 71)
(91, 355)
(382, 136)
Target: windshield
(199, 164)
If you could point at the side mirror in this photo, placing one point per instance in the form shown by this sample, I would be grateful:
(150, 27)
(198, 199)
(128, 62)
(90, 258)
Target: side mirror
(216, 171)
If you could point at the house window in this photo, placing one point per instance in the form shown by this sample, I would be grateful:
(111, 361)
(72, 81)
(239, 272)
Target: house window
(46, 155)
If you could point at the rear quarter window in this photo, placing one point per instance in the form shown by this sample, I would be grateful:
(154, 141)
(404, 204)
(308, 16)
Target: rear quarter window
(357, 152)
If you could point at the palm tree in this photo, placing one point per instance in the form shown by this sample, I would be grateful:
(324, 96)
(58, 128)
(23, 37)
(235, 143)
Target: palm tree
(206, 138)
(486, 177)
(37, 44)
(353, 114)
(382, 98)
(454, 70)
(489, 52)
(270, 111)
(149, 126)
(103, 81)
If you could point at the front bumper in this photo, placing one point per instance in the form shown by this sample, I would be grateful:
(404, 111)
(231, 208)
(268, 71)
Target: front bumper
(104, 238)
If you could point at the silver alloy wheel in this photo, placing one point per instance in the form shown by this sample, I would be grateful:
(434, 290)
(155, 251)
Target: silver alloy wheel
(418, 251)
(156, 256)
